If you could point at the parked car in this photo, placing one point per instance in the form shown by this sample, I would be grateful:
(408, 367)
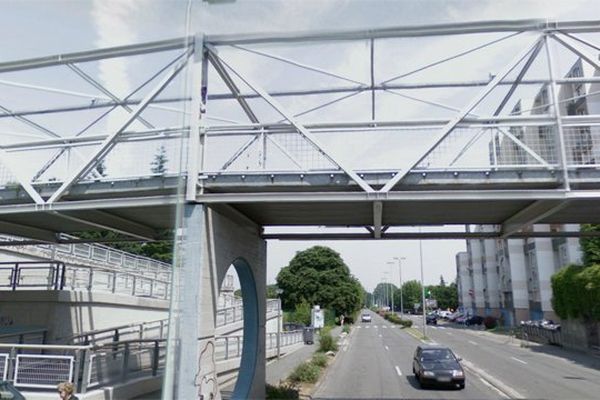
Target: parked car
(431, 319)
(365, 317)
(437, 365)
(474, 320)
(460, 319)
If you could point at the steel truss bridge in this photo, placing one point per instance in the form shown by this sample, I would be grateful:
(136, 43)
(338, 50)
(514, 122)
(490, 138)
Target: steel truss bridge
(469, 123)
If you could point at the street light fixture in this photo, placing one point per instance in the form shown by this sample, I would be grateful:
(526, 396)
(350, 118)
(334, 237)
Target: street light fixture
(279, 321)
(399, 259)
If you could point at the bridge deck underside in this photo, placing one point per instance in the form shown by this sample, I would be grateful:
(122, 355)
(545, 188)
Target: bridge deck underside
(328, 199)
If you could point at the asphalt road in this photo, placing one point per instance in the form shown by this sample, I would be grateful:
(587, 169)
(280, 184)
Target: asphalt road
(376, 363)
(531, 373)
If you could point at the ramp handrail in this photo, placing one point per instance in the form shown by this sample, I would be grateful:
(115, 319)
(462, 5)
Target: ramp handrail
(56, 275)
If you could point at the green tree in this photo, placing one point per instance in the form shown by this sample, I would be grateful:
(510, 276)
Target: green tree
(411, 294)
(446, 296)
(319, 276)
(383, 293)
(590, 246)
(159, 164)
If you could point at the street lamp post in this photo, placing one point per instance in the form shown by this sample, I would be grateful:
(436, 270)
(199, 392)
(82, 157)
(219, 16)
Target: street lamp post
(401, 296)
(278, 291)
(422, 286)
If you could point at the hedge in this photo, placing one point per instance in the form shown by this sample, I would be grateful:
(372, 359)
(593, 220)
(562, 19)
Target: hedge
(576, 292)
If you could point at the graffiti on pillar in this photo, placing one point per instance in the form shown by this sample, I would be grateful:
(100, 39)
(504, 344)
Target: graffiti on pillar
(206, 379)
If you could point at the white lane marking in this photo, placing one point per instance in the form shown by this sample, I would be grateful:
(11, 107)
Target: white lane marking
(374, 326)
(473, 343)
(521, 361)
(398, 371)
(380, 335)
(441, 327)
(387, 348)
(367, 327)
(384, 326)
(449, 333)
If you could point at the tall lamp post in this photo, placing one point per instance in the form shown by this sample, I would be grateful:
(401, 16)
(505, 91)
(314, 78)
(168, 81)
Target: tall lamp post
(399, 259)
(390, 263)
(279, 321)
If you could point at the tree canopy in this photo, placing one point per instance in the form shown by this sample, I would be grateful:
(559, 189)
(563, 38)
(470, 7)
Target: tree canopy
(319, 276)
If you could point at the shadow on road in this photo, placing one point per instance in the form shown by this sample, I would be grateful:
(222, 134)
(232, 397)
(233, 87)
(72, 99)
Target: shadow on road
(415, 384)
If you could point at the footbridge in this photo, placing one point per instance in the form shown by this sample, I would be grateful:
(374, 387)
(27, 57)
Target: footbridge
(226, 139)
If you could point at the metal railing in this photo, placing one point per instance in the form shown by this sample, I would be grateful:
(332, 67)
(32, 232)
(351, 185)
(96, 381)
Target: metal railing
(229, 347)
(96, 253)
(539, 334)
(157, 329)
(235, 313)
(54, 275)
(40, 366)
(28, 336)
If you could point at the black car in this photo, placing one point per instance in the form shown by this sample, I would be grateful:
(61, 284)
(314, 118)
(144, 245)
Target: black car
(474, 320)
(437, 365)
(431, 319)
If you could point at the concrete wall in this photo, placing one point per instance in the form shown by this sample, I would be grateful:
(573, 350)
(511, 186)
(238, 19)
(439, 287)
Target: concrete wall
(66, 313)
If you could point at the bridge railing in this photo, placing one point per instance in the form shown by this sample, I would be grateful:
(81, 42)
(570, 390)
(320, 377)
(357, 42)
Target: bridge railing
(98, 253)
(39, 366)
(157, 329)
(28, 336)
(235, 313)
(53, 275)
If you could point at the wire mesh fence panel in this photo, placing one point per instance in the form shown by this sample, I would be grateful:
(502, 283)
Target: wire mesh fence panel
(43, 371)
(105, 368)
(582, 145)
(36, 277)
(3, 366)
(82, 250)
(510, 147)
(6, 276)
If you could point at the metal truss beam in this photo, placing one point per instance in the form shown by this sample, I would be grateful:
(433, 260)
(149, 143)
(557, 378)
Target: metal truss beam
(109, 142)
(452, 124)
(578, 51)
(106, 221)
(406, 31)
(94, 55)
(424, 235)
(530, 215)
(96, 204)
(301, 129)
(433, 195)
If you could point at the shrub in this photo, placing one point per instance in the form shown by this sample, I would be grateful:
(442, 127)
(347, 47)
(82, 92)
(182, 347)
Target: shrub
(346, 329)
(326, 342)
(283, 392)
(576, 292)
(407, 323)
(319, 359)
(490, 322)
(305, 372)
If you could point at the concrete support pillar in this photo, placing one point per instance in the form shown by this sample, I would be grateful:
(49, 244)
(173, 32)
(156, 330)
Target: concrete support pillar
(463, 281)
(477, 267)
(545, 268)
(212, 241)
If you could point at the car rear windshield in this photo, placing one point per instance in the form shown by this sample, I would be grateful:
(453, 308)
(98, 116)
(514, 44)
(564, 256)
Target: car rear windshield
(437, 354)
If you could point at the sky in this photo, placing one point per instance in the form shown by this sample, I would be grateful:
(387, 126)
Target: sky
(34, 28)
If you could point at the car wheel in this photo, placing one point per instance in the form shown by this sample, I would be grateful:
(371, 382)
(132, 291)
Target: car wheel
(461, 386)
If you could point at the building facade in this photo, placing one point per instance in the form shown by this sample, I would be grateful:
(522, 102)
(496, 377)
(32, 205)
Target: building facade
(511, 279)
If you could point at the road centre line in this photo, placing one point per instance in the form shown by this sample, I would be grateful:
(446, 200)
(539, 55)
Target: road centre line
(472, 342)
(387, 348)
(521, 361)
(398, 371)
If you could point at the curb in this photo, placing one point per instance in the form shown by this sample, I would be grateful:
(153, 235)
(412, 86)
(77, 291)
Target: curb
(495, 383)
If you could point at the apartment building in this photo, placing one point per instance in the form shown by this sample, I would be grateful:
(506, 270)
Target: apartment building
(510, 279)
